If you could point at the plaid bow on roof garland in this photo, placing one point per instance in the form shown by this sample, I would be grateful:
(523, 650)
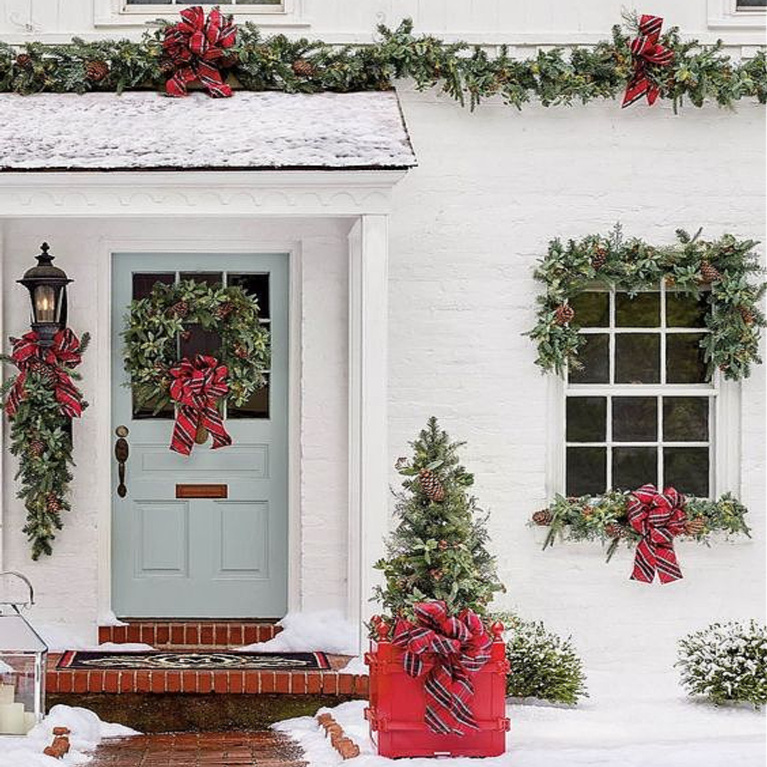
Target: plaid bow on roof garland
(658, 518)
(29, 356)
(448, 650)
(197, 385)
(645, 50)
(194, 45)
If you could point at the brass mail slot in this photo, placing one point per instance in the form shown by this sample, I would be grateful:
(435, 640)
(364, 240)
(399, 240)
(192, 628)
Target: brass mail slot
(202, 491)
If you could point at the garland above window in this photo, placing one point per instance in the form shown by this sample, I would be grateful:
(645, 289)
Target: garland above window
(638, 61)
(724, 272)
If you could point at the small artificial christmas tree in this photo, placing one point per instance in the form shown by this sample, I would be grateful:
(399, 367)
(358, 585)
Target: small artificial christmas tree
(438, 550)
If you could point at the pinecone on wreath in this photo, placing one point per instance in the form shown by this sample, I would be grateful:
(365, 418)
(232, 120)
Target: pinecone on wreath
(52, 503)
(224, 310)
(36, 447)
(747, 315)
(563, 314)
(24, 61)
(599, 258)
(614, 530)
(96, 71)
(303, 68)
(241, 352)
(179, 309)
(46, 373)
(543, 517)
(443, 545)
(431, 485)
(709, 273)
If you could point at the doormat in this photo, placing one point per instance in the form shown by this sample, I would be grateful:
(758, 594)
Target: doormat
(196, 661)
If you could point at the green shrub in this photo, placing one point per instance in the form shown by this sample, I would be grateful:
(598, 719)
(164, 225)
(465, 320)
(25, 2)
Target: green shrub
(726, 663)
(543, 664)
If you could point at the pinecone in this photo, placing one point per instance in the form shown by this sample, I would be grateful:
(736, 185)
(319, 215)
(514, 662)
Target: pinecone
(587, 511)
(432, 487)
(443, 545)
(599, 258)
(179, 309)
(52, 504)
(167, 68)
(543, 517)
(670, 280)
(436, 574)
(614, 530)
(24, 61)
(747, 315)
(709, 273)
(303, 68)
(695, 526)
(564, 313)
(46, 373)
(96, 71)
(241, 352)
(36, 447)
(224, 310)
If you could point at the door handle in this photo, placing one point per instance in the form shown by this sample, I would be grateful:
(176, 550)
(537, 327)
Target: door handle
(122, 451)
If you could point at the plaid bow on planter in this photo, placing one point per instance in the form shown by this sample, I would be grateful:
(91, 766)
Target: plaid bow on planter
(455, 648)
(29, 356)
(194, 45)
(658, 518)
(196, 386)
(645, 50)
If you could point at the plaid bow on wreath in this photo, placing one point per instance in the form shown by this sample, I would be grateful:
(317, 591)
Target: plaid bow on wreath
(448, 650)
(196, 386)
(645, 49)
(29, 356)
(658, 518)
(194, 45)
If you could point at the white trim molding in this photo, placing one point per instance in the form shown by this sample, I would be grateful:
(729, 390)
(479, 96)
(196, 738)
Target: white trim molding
(725, 14)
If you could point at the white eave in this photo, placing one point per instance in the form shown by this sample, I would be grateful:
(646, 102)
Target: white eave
(139, 131)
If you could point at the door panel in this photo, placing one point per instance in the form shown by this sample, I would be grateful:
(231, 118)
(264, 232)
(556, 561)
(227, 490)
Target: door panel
(203, 557)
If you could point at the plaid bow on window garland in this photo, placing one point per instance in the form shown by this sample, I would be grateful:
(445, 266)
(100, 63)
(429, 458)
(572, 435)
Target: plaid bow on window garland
(645, 50)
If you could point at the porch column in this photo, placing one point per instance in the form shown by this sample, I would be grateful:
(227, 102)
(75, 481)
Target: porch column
(2, 415)
(368, 454)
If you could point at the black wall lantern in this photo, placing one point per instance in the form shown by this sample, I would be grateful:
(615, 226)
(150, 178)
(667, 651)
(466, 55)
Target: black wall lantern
(47, 286)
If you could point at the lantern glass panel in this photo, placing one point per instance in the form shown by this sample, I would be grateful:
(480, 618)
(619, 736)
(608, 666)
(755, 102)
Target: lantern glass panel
(45, 308)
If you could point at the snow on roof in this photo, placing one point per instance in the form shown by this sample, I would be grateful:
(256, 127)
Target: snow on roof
(146, 131)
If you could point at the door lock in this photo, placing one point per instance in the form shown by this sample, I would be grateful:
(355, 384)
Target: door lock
(121, 454)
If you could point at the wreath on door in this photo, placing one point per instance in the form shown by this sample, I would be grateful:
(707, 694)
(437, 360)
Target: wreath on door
(196, 386)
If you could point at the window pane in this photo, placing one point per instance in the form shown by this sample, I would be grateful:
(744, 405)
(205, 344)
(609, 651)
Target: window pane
(684, 311)
(196, 340)
(637, 358)
(641, 311)
(634, 467)
(586, 419)
(685, 419)
(207, 278)
(592, 309)
(595, 360)
(256, 407)
(635, 419)
(255, 285)
(148, 408)
(586, 470)
(752, 4)
(144, 282)
(686, 469)
(684, 358)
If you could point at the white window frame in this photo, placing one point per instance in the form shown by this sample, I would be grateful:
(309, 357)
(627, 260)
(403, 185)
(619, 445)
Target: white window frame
(116, 13)
(724, 415)
(725, 14)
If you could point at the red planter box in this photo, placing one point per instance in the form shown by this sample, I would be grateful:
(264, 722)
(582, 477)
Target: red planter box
(398, 702)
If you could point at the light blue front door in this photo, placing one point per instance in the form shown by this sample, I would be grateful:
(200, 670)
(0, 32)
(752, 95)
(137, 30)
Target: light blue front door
(203, 557)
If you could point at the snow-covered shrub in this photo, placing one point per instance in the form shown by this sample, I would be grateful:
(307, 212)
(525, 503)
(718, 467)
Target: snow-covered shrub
(543, 664)
(726, 662)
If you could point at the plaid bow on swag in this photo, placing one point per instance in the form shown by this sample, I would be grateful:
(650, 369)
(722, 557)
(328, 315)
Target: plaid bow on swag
(645, 49)
(657, 517)
(194, 45)
(196, 386)
(456, 648)
(29, 356)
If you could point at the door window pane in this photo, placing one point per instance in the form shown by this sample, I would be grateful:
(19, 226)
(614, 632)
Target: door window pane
(685, 362)
(143, 282)
(637, 358)
(635, 419)
(256, 407)
(255, 285)
(641, 311)
(586, 470)
(207, 278)
(685, 419)
(634, 467)
(686, 469)
(592, 309)
(196, 340)
(594, 357)
(685, 311)
(586, 419)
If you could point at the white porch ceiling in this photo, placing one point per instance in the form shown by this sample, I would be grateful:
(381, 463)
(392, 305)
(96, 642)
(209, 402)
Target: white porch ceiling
(250, 131)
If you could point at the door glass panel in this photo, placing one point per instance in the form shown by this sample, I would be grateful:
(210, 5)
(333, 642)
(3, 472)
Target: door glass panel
(686, 469)
(684, 311)
(255, 285)
(594, 357)
(143, 282)
(641, 311)
(256, 407)
(637, 358)
(147, 410)
(685, 362)
(634, 467)
(586, 419)
(592, 309)
(635, 419)
(685, 419)
(196, 340)
(586, 470)
(207, 278)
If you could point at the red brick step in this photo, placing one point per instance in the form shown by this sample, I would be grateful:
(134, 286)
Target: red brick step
(199, 633)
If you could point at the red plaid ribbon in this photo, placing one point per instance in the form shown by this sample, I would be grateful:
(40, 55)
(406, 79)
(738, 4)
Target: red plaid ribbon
(29, 356)
(196, 386)
(194, 45)
(657, 517)
(456, 648)
(645, 50)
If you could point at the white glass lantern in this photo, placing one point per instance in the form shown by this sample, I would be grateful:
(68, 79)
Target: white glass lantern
(23, 657)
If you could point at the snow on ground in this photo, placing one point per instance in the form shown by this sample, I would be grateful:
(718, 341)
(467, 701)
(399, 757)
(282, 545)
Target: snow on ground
(87, 731)
(656, 727)
(325, 631)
